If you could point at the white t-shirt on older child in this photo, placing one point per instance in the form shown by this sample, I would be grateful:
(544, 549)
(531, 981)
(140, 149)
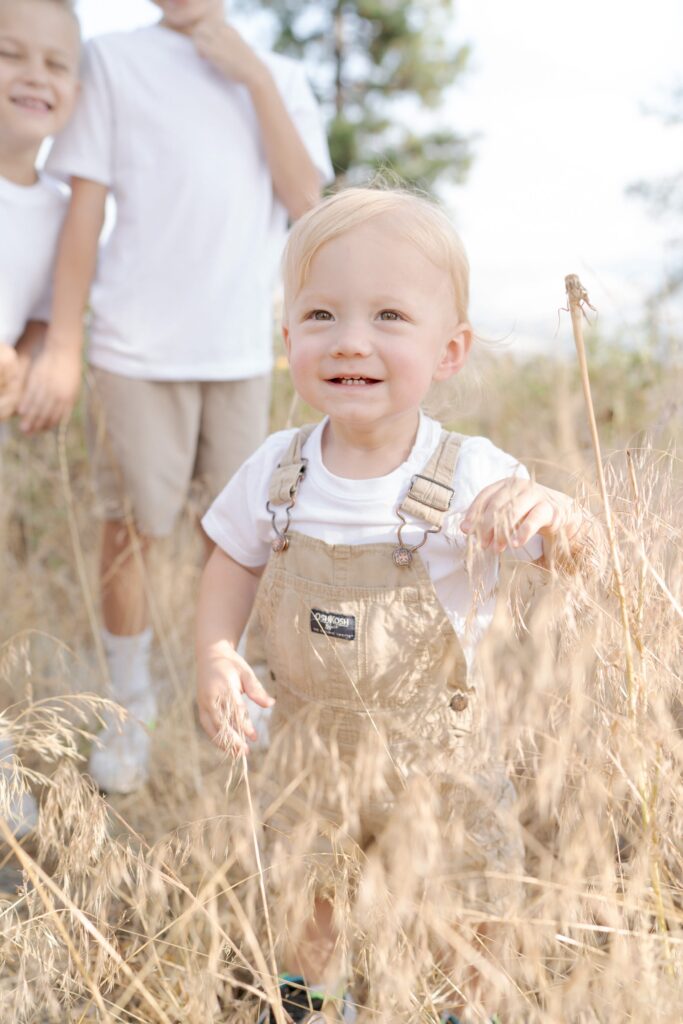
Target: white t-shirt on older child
(31, 218)
(184, 284)
(338, 510)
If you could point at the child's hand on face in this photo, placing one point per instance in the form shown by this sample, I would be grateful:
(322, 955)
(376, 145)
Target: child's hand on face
(510, 512)
(223, 46)
(223, 679)
(51, 389)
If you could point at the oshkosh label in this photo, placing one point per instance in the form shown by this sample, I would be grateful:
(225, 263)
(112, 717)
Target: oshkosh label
(341, 627)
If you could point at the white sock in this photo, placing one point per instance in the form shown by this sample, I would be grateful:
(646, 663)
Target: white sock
(128, 661)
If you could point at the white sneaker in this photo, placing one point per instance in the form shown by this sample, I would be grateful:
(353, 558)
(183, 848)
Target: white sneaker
(119, 760)
(22, 815)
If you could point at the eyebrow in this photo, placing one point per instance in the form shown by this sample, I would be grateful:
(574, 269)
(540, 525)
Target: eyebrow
(6, 37)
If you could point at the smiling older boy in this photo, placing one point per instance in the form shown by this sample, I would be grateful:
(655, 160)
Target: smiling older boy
(39, 58)
(207, 147)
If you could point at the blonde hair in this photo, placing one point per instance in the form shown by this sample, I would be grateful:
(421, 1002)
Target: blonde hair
(67, 5)
(419, 219)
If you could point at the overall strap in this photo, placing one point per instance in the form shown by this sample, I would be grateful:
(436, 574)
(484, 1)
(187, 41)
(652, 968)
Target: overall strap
(431, 491)
(287, 476)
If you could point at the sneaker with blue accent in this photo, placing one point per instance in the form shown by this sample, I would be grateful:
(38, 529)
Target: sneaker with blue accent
(303, 1005)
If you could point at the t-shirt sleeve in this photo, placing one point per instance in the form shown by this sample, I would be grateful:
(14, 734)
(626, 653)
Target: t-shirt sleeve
(307, 117)
(481, 463)
(85, 148)
(238, 521)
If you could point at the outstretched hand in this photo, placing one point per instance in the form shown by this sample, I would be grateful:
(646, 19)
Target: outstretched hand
(225, 678)
(510, 512)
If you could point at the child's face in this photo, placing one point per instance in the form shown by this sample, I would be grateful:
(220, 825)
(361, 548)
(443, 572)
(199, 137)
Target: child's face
(373, 326)
(39, 59)
(183, 15)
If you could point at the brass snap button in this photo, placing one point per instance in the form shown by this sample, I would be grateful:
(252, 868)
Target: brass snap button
(459, 701)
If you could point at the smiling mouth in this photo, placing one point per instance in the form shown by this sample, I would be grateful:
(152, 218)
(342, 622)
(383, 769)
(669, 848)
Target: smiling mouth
(354, 381)
(31, 103)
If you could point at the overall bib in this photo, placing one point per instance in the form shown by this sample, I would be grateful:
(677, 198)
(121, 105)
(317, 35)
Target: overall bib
(378, 733)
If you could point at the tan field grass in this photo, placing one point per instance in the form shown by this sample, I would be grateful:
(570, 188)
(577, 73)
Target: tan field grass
(150, 907)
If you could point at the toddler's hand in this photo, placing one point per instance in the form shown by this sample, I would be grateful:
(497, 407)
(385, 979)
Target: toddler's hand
(223, 677)
(510, 512)
(223, 46)
(51, 389)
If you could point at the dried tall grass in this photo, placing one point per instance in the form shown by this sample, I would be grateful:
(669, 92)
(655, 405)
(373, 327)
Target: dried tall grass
(150, 907)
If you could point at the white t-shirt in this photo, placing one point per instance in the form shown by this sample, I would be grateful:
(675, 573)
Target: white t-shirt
(338, 510)
(184, 284)
(31, 218)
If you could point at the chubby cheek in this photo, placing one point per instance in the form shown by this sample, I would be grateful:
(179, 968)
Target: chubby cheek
(411, 376)
(303, 374)
(67, 96)
(302, 366)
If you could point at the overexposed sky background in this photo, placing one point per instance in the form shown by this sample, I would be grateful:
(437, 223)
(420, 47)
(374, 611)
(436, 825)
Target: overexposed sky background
(560, 97)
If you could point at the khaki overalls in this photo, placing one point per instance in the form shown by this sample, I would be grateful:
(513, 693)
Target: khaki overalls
(376, 728)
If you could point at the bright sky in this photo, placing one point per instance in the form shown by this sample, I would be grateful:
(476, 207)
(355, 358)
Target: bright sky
(558, 96)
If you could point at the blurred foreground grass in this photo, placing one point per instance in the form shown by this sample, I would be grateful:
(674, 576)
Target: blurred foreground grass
(157, 892)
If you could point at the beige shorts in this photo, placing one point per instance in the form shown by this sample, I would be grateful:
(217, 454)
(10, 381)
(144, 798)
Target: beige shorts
(150, 440)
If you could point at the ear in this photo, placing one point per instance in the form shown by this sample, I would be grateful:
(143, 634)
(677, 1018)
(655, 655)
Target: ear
(455, 353)
(287, 339)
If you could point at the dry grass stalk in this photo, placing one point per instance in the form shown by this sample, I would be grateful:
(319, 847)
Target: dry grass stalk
(577, 297)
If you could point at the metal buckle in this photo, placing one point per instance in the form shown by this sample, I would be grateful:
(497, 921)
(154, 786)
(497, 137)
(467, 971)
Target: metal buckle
(402, 554)
(430, 480)
(281, 542)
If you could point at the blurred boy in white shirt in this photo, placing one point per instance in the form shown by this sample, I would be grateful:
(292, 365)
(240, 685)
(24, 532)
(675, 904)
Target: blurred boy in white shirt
(208, 147)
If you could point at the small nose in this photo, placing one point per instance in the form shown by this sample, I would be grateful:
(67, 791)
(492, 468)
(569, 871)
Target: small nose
(35, 71)
(350, 341)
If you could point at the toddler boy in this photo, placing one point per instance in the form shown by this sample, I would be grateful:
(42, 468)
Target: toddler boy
(208, 147)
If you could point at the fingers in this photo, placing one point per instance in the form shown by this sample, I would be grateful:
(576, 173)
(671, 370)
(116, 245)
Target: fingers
(222, 711)
(257, 692)
(216, 725)
(509, 513)
(226, 722)
(39, 410)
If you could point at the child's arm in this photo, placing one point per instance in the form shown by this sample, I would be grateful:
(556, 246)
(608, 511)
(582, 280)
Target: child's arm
(14, 366)
(510, 512)
(295, 178)
(54, 379)
(226, 596)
